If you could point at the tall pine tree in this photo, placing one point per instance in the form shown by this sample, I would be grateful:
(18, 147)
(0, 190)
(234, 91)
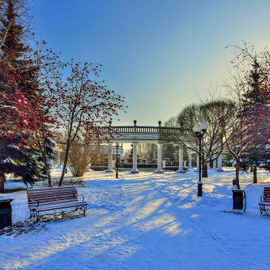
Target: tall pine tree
(255, 115)
(11, 34)
(18, 156)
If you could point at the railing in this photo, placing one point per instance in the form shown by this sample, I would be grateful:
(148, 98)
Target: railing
(143, 130)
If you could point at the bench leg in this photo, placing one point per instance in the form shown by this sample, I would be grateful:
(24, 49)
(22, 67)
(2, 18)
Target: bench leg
(262, 209)
(34, 214)
(84, 210)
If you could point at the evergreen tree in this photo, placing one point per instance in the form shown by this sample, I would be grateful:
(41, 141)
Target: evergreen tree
(11, 35)
(46, 144)
(16, 159)
(247, 131)
(255, 115)
(25, 160)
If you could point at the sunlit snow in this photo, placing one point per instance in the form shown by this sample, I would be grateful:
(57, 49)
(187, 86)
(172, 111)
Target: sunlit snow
(147, 221)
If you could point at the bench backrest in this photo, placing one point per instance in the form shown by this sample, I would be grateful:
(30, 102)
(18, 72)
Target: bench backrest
(266, 194)
(52, 195)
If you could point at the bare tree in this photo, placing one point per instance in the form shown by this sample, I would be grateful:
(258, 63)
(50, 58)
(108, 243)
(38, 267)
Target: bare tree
(86, 105)
(81, 156)
(247, 130)
(212, 142)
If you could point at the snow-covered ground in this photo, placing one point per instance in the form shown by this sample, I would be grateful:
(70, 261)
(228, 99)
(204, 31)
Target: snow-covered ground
(147, 221)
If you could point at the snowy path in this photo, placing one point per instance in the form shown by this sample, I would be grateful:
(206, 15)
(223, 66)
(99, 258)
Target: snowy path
(147, 221)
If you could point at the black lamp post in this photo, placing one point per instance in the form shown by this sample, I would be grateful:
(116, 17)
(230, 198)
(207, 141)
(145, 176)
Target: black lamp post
(199, 131)
(117, 160)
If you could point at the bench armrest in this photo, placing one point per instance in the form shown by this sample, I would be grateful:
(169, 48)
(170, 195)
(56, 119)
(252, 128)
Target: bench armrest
(83, 199)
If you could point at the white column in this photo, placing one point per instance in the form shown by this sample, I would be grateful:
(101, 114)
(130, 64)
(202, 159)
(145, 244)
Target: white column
(110, 154)
(208, 166)
(180, 159)
(163, 164)
(214, 163)
(51, 164)
(159, 159)
(89, 167)
(58, 159)
(190, 160)
(134, 158)
(219, 162)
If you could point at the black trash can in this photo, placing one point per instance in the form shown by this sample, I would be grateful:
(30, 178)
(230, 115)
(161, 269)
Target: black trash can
(239, 199)
(5, 213)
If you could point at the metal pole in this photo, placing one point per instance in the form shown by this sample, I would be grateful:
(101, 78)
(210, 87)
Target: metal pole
(200, 175)
(116, 171)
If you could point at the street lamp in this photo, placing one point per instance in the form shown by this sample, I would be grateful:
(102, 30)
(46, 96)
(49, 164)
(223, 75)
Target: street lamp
(199, 131)
(117, 160)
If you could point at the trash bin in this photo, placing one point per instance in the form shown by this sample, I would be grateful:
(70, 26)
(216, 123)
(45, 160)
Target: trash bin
(239, 199)
(5, 213)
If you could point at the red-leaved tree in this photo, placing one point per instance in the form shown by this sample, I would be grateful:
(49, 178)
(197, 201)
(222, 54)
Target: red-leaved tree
(46, 104)
(248, 128)
(85, 105)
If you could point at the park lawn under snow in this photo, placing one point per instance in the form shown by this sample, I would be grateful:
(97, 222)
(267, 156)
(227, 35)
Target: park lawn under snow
(147, 221)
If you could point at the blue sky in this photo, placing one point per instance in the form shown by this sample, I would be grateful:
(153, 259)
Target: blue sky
(160, 54)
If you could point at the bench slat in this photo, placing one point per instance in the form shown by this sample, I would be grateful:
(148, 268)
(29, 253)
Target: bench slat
(52, 188)
(52, 197)
(49, 193)
(53, 202)
(59, 206)
(52, 194)
(52, 191)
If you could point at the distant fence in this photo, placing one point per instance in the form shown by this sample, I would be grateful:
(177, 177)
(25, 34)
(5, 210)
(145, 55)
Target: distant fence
(144, 130)
(174, 166)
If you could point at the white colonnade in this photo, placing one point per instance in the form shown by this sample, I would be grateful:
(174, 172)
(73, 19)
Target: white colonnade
(134, 159)
(217, 164)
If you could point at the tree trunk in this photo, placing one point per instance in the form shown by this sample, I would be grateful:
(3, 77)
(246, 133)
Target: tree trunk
(255, 174)
(47, 168)
(42, 147)
(2, 183)
(237, 169)
(65, 165)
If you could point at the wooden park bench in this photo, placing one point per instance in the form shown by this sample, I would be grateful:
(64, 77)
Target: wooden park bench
(54, 198)
(265, 200)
